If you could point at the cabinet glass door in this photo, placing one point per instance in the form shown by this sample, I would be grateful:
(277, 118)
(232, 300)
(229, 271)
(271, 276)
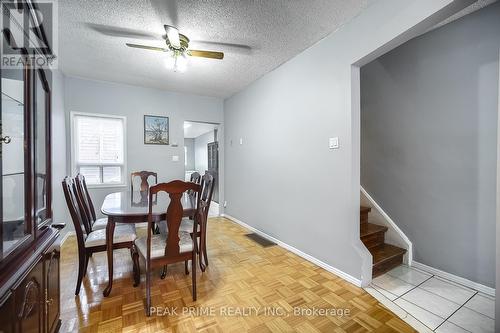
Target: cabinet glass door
(40, 136)
(12, 164)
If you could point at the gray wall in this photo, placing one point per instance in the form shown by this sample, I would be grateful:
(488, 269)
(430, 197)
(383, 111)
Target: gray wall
(59, 159)
(497, 290)
(134, 102)
(428, 148)
(201, 151)
(190, 163)
(283, 179)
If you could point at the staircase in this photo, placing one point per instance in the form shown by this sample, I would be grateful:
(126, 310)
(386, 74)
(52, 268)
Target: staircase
(385, 256)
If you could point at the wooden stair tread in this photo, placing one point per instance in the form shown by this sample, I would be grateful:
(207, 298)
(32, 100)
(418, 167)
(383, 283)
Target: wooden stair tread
(363, 209)
(367, 229)
(385, 252)
(385, 256)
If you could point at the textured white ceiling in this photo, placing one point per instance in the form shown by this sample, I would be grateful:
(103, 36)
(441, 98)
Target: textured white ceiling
(276, 30)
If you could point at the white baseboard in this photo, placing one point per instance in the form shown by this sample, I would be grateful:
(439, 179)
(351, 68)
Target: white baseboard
(391, 224)
(66, 235)
(331, 269)
(454, 278)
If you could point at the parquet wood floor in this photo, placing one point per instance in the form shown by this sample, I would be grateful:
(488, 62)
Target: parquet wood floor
(246, 288)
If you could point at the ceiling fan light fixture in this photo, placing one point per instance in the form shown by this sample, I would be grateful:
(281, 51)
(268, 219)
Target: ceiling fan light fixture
(176, 61)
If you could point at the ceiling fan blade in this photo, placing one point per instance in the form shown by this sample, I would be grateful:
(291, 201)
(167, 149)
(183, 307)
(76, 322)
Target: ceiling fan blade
(206, 54)
(173, 36)
(238, 48)
(121, 32)
(145, 47)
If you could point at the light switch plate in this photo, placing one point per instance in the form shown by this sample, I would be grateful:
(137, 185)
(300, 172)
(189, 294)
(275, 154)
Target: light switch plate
(333, 143)
(175, 158)
(241, 141)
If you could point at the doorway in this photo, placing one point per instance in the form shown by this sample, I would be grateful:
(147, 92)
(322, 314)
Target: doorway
(201, 154)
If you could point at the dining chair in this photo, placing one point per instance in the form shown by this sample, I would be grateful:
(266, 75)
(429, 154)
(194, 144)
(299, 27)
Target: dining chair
(195, 177)
(87, 207)
(144, 185)
(203, 201)
(144, 175)
(203, 205)
(174, 246)
(95, 241)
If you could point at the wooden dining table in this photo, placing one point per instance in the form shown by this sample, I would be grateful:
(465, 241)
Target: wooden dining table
(133, 207)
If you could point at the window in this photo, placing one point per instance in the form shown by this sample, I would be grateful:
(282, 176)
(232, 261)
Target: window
(98, 148)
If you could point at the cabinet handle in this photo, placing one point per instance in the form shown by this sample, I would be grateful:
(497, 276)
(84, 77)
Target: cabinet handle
(5, 139)
(49, 301)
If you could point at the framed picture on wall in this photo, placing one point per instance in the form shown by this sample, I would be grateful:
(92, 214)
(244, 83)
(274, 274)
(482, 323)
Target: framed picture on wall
(156, 130)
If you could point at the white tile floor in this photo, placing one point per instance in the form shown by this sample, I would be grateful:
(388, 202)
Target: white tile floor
(440, 305)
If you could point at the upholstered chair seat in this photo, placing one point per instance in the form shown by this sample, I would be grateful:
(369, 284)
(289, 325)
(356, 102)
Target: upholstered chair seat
(123, 233)
(100, 224)
(187, 225)
(159, 242)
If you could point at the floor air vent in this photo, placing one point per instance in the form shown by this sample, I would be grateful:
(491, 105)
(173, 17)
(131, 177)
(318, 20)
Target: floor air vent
(260, 240)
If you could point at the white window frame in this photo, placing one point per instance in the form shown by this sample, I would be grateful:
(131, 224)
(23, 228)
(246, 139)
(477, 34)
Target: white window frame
(74, 168)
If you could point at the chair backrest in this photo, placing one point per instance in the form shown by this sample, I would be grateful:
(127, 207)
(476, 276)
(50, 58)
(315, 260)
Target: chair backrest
(144, 175)
(207, 190)
(90, 204)
(175, 190)
(73, 207)
(84, 202)
(195, 178)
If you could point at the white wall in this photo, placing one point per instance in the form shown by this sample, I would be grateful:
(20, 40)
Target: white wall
(497, 289)
(190, 163)
(299, 191)
(201, 151)
(134, 102)
(59, 158)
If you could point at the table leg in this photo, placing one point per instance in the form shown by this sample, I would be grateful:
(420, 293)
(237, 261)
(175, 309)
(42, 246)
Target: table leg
(110, 229)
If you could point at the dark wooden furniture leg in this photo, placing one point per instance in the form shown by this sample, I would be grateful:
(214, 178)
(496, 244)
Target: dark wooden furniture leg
(81, 272)
(193, 273)
(163, 272)
(148, 289)
(202, 249)
(110, 229)
(205, 257)
(136, 268)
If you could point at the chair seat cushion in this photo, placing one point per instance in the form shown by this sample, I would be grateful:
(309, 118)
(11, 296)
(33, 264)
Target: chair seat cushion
(100, 224)
(122, 234)
(158, 244)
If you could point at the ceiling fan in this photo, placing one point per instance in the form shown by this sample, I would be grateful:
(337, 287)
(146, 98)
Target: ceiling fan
(178, 50)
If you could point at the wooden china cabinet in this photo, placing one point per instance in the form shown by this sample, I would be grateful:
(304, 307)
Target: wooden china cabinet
(29, 254)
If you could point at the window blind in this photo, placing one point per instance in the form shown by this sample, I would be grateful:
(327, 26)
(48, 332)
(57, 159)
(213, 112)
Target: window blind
(99, 148)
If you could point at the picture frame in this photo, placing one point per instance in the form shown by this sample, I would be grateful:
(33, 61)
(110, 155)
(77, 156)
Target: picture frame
(156, 130)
